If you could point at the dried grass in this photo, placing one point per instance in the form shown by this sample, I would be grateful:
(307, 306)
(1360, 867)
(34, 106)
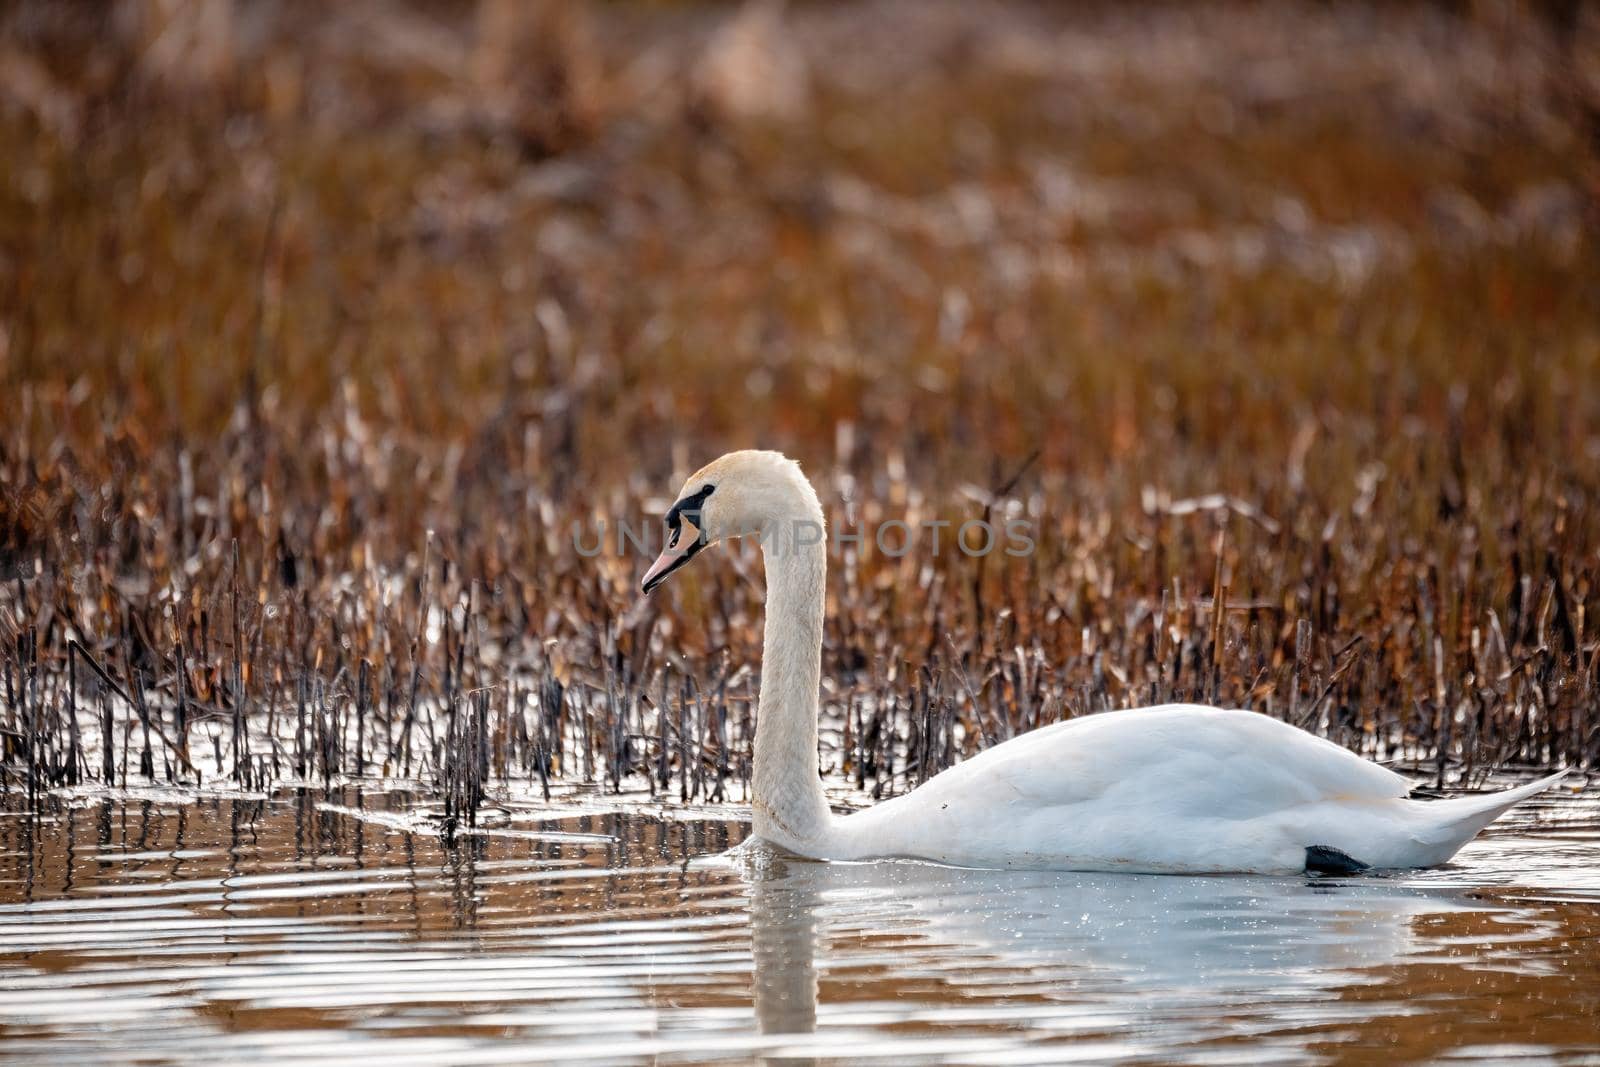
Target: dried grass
(313, 356)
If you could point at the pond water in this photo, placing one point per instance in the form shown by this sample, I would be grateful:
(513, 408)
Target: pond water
(169, 929)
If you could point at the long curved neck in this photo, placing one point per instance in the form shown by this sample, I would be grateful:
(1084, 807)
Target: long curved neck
(787, 802)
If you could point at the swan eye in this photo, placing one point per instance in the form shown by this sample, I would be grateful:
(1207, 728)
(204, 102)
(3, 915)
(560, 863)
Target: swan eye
(688, 508)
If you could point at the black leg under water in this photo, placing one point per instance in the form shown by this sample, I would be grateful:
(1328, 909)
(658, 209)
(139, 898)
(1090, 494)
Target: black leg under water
(1325, 859)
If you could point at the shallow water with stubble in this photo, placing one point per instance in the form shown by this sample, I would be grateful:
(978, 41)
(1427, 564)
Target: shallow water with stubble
(169, 928)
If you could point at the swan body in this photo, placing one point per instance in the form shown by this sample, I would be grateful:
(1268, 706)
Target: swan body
(1178, 788)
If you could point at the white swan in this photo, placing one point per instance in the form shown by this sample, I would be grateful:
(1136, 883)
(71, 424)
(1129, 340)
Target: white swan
(1178, 788)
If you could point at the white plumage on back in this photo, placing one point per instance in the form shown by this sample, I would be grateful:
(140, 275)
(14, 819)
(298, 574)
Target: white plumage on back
(1173, 788)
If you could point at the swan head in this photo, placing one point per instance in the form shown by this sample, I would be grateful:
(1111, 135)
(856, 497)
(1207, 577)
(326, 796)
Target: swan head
(739, 494)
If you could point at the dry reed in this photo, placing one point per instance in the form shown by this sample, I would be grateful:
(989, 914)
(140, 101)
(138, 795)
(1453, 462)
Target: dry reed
(314, 356)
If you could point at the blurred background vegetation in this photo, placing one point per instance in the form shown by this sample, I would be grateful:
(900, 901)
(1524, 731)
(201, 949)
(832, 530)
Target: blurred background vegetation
(321, 325)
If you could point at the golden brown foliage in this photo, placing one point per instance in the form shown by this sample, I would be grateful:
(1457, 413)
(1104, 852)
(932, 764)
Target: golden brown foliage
(313, 354)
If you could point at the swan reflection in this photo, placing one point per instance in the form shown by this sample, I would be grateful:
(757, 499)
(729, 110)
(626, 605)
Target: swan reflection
(930, 943)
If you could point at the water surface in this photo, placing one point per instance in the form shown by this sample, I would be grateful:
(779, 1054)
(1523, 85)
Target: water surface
(164, 929)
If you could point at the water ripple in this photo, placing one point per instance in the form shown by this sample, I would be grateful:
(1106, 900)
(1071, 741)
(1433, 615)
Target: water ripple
(250, 930)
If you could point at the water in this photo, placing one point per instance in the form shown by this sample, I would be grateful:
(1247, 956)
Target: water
(165, 929)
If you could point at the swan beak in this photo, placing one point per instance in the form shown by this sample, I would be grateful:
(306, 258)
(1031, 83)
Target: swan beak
(682, 544)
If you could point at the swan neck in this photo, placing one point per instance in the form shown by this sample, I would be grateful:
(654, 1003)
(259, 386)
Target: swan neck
(788, 807)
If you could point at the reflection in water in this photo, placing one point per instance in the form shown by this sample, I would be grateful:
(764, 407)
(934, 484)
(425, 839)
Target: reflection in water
(783, 946)
(1060, 943)
(251, 929)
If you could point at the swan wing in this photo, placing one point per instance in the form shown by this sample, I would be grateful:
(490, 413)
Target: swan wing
(1178, 758)
(1176, 788)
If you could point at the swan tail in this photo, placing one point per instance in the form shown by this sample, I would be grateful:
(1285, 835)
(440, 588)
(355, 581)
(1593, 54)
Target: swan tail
(1456, 821)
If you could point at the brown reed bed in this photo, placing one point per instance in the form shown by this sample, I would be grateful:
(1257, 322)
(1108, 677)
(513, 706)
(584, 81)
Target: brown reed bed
(320, 336)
